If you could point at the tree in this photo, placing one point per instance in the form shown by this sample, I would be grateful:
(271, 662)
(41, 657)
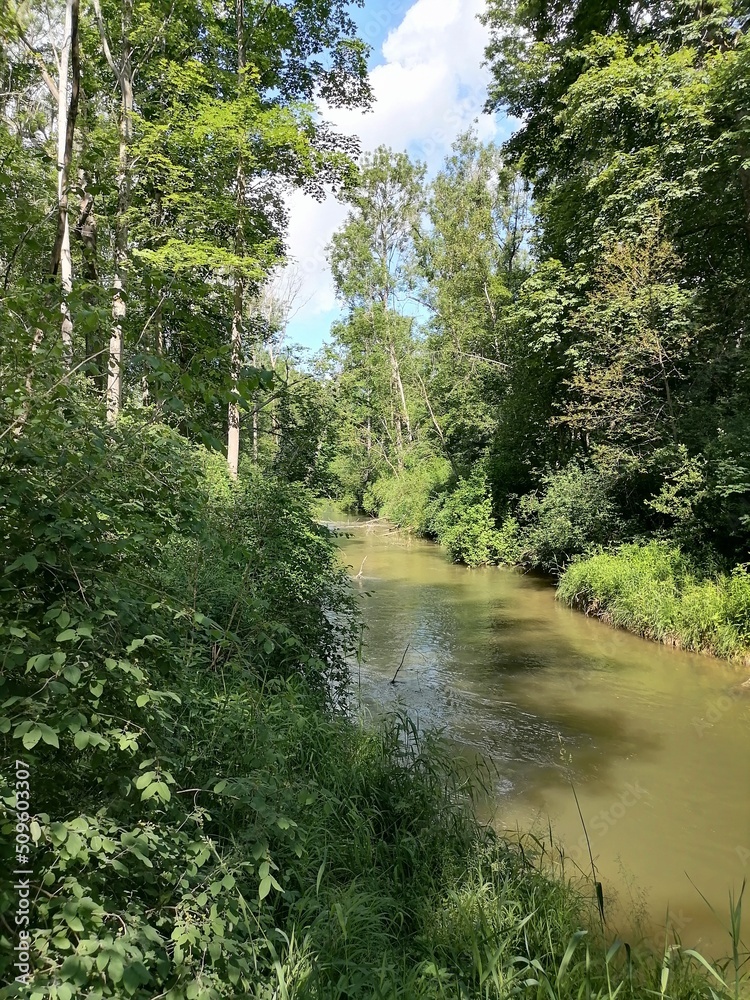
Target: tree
(67, 112)
(372, 261)
(473, 260)
(635, 335)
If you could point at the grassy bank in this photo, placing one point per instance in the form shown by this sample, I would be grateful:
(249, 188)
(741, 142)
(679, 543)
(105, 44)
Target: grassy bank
(653, 591)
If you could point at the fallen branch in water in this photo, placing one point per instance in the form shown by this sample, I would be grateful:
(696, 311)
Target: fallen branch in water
(400, 664)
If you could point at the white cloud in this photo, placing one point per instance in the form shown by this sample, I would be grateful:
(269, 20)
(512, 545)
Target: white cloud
(429, 88)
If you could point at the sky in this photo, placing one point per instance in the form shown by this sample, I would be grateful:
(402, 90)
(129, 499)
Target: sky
(429, 86)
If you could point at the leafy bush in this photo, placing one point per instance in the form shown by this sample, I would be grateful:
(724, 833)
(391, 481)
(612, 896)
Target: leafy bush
(465, 525)
(573, 513)
(351, 475)
(409, 499)
(654, 591)
(259, 564)
(151, 610)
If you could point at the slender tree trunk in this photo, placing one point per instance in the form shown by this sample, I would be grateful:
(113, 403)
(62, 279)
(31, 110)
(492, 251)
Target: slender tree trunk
(256, 415)
(67, 113)
(402, 414)
(26, 412)
(400, 387)
(233, 433)
(233, 421)
(119, 305)
(86, 232)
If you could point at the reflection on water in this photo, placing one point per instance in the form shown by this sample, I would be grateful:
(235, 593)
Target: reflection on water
(656, 742)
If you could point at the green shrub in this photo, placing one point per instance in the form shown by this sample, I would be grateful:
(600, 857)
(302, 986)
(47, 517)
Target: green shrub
(262, 566)
(409, 499)
(150, 611)
(425, 498)
(465, 525)
(571, 514)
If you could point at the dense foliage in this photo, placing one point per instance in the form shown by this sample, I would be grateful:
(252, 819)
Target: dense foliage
(203, 823)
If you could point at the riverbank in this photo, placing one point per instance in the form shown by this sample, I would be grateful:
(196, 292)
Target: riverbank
(652, 591)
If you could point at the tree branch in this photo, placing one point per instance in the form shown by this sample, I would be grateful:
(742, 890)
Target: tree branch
(105, 42)
(39, 59)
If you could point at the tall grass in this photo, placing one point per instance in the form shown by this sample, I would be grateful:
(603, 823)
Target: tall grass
(654, 591)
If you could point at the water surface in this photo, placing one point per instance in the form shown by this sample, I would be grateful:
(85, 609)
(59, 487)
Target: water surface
(655, 741)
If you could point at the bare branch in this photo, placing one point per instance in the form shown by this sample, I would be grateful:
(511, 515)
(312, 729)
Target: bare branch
(105, 41)
(39, 60)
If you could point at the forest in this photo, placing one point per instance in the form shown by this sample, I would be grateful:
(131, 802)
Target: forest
(543, 362)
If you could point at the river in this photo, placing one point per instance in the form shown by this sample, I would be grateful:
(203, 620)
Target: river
(656, 742)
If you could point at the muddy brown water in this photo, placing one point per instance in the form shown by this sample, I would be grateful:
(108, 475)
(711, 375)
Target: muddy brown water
(655, 741)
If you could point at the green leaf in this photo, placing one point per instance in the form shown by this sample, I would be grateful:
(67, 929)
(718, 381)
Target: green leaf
(71, 967)
(49, 735)
(59, 833)
(32, 737)
(115, 969)
(265, 887)
(30, 561)
(73, 845)
(82, 739)
(134, 976)
(67, 635)
(72, 673)
(163, 791)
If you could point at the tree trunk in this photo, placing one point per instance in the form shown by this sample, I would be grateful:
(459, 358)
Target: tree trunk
(256, 414)
(233, 421)
(86, 232)
(399, 386)
(233, 433)
(119, 305)
(67, 113)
